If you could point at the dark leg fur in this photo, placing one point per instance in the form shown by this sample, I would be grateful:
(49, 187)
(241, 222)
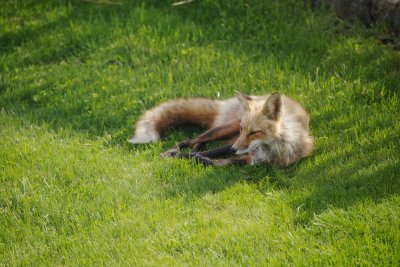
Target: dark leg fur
(197, 143)
(212, 134)
(237, 160)
(221, 151)
(207, 158)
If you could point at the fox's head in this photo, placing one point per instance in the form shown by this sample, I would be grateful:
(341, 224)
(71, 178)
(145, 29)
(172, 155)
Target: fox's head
(260, 122)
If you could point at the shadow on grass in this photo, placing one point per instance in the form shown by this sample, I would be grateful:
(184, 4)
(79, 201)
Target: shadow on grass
(68, 46)
(260, 30)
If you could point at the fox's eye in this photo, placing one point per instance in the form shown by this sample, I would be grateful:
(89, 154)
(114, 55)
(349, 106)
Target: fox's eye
(254, 132)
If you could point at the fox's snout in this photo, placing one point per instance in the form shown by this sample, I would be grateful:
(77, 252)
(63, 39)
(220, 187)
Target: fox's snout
(238, 148)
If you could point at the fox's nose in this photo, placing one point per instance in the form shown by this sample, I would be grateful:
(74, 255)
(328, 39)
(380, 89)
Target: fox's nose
(233, 150)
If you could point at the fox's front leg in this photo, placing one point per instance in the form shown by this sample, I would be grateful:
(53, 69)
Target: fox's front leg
(220, 132)
(198, 142)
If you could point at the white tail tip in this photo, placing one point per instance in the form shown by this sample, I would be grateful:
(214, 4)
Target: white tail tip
(143, 139)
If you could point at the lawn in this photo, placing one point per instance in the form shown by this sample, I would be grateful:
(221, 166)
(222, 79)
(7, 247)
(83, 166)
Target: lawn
(76, 75)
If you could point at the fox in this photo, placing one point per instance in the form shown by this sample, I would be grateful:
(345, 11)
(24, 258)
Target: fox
(271, 129)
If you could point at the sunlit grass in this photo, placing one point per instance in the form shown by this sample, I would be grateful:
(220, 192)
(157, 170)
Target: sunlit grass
(76, 75)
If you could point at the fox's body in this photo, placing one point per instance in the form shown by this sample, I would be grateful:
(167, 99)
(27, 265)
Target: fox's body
(271, 129)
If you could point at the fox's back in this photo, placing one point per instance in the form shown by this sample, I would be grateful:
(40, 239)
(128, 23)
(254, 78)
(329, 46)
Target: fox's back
(296, 110)
(230, 110)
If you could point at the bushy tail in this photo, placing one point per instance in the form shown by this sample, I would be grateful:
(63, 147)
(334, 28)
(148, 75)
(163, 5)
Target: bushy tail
(153, 122)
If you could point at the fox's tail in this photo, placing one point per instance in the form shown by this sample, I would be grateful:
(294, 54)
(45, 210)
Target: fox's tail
(153, 122)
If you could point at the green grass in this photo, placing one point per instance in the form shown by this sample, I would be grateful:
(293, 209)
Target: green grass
(76, 75)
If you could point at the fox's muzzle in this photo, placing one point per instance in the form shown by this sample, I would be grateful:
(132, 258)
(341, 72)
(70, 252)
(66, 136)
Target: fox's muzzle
(239, 151)
(240, 146)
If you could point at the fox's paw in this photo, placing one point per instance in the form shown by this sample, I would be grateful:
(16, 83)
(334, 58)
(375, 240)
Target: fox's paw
(203, 160)
(184, 144)
(170, 153)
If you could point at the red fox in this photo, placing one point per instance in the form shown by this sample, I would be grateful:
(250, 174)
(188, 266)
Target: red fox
(271, 129)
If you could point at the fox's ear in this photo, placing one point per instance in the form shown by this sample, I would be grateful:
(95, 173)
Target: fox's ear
(273, 107)
(244, 100)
